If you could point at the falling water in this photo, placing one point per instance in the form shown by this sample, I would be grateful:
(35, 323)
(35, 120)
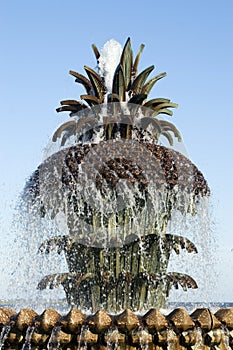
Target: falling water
(199, 344)
(54, 341)
(113, 217)
(113, 202)
(4, 334)
(171, 340)
(226, 337)
(27, 343)
(199, 229)
(82, 339)
(143, 338)
(112, 338)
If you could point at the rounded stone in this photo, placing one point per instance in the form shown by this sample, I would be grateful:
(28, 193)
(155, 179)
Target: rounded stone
(181, 319)
(225, 316)
(204, 318)
(155, 321)
(73, 321)
(127, 321)
(100, 322)
(49, 319)
(5, 315)
(25, 318)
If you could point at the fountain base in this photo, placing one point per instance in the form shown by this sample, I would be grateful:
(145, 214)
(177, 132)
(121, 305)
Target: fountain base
(177, 330)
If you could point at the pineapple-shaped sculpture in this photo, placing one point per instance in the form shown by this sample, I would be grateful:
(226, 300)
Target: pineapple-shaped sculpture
(117, 188)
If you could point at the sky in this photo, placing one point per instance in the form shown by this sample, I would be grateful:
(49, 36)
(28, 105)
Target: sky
(192, 41)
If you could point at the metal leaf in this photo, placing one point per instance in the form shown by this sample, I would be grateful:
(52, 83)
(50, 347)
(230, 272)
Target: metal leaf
(165, 105)
(139, 81)
(97, 83)
(96, 51)
(138, 99)
(113, 98)
(137, 59)
(52, 281)
(164, 111)
(146, 121)
(168, 137)
(59, 279)
(82, 80)
(71, 103)
(182, 242)
(72, 106)
(185, 281)
(62, 128)
(91, 100)
(59, 243)
(148, 86)
(118, 86)
(127, 62)
(167, 126)
(161, 107)
(155, 102)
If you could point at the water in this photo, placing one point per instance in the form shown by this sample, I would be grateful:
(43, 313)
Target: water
(112, 339)
(4, 334)
(171, 340)
(144, 338)
(82, 340)
(28, 337)
(109, 202)
(54, 342)
(199, 340)
(38, 267)
(108, 61)
(226, 337)
(107, 229)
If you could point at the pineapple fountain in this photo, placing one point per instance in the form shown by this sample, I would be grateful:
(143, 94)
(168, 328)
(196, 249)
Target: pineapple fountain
(114, 188)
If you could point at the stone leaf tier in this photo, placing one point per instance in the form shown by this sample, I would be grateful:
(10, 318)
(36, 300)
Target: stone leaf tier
(123, 160)
(82, 172)
(178, 330)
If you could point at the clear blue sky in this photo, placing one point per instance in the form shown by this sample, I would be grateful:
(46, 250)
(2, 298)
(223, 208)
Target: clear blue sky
(191, 40)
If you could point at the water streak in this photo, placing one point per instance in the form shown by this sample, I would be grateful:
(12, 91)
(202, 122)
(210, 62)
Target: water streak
(4, 335)
(27, 344)
(143, 338)
(199, 345)
(112, 339)
(82, 341)
(54, 341)
(171, 340)
(225, 338)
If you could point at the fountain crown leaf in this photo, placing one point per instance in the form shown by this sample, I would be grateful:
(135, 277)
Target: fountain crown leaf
(126, 86)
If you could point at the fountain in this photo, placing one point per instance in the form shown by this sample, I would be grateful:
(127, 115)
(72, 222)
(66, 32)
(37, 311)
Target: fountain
(113, 181)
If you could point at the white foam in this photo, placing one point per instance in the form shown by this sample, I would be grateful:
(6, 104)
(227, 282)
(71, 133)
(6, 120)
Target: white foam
(109, 59)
